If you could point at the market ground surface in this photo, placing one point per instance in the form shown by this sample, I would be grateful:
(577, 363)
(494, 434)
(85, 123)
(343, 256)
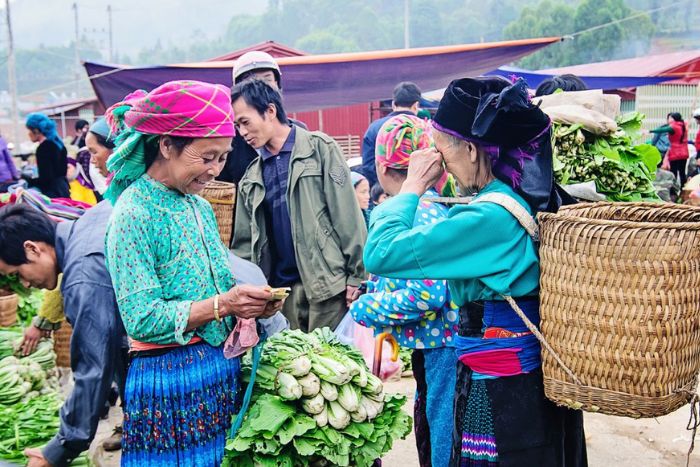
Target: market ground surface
(612, 441)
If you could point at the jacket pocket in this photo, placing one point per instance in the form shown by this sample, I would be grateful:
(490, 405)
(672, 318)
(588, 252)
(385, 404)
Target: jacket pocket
(329, 246)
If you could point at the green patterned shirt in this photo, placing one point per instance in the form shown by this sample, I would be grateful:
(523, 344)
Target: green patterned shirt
(163, 253)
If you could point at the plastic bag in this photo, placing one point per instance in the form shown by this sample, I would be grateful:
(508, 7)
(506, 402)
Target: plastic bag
(666, 164)
(593, 99)
(585, 191)
(591, 120)
(350, 332)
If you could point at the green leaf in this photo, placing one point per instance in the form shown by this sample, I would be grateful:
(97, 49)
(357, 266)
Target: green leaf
(272, 413)
(650, 156)
(240, 444)
(305, 447)
(294, 427)
(267, 446)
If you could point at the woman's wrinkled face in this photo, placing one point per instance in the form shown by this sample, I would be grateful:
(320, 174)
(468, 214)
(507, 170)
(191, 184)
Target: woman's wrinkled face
(362, 194)
(190, 169)
(456, 157)
(98, 154)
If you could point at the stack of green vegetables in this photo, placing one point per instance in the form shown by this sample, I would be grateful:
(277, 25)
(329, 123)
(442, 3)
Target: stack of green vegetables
(315, 403)
(27, 424)
(29, 395)
(621, 169)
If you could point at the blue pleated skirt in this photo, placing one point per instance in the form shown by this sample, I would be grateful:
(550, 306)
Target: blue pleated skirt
(178, 407)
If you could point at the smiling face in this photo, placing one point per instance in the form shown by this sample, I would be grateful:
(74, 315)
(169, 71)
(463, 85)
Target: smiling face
(98, 154)
(40, 270)
(256, 129)
(362, 193)
(188, 170)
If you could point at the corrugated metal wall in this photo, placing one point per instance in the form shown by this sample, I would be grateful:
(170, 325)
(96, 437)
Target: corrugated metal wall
(657, 101)
(339, 121)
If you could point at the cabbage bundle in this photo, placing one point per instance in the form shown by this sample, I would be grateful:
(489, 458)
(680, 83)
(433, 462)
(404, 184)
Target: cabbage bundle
(315, 403)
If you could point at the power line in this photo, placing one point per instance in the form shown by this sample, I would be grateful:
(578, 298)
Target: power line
(70, 83)
(617, 21)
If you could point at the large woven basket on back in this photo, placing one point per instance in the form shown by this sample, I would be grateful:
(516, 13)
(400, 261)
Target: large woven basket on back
(222, 197)
(8, 308)
(620, 304)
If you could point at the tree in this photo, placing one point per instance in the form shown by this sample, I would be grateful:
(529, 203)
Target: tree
(326, 42)
(549, 18)
(555, 18)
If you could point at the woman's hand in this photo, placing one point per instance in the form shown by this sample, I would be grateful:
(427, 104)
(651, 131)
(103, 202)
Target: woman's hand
(245, 301)
(424, 171)
(272, 308)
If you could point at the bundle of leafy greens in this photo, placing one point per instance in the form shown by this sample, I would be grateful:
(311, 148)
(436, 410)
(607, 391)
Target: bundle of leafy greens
(621, 169)
(315, 403)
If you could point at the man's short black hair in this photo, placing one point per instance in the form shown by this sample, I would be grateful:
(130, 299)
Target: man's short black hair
(80, 124)
(20, 223)
(567, 82)
(258, 94)
(406, 94)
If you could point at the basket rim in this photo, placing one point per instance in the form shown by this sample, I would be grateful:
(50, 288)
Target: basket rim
(219, 184)
(562, 217)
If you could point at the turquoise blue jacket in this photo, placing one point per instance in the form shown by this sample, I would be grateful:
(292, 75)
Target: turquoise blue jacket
(418, 313)
(480, 249)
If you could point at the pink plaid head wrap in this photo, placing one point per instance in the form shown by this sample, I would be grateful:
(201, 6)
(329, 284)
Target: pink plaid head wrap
(399, 137)
(402, 135)
(191, 109)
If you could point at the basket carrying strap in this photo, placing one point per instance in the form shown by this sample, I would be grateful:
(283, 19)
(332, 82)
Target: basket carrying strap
(516, 209)
(530, 225)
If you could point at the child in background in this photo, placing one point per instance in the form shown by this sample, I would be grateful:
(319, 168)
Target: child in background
(378, 195)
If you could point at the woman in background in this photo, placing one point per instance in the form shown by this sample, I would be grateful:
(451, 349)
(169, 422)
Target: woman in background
(51, 157)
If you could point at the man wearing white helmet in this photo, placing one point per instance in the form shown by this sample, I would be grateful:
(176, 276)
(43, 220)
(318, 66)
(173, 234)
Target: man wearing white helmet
(251, 65)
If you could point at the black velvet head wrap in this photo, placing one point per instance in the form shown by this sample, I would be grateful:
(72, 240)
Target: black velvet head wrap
(498, 116)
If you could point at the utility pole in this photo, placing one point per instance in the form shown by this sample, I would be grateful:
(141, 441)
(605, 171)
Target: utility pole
(111, 44)
(77, 53)
(11, 76)
(406, 22)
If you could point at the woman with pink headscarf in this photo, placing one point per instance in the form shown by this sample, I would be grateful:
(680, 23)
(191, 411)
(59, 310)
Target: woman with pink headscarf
(176, 294)
(418, 313)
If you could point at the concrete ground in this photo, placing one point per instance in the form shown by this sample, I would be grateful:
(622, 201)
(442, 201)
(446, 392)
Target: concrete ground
(612, 441)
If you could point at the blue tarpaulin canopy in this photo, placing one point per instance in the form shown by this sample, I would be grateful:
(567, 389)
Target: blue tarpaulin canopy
(606, 83)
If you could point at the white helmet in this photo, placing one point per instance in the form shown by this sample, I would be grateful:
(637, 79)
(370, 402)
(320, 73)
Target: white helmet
(256, 60)
(696, 113)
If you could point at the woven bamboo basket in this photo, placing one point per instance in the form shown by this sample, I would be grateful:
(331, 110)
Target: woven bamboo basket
(61, 344)
(222, 197)
(620, 305)
(8, 308)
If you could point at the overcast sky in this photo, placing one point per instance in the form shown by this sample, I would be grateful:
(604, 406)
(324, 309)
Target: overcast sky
(136, 23)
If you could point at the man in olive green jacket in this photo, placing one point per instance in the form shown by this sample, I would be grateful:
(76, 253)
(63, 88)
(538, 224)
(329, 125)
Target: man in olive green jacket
(296, 213)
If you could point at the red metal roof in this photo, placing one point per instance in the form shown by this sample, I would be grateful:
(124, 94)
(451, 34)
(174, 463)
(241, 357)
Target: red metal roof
(685, 65)
(273, 48)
